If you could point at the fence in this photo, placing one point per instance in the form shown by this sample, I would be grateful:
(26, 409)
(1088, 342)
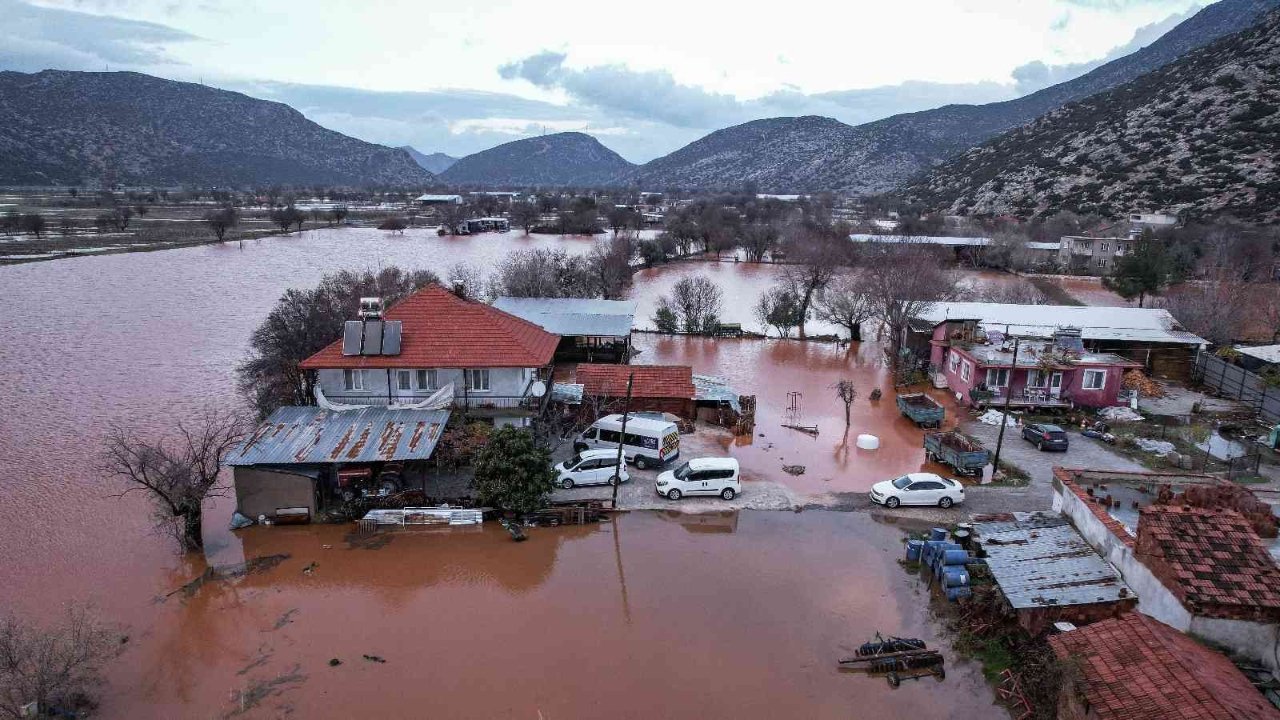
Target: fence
(1233, 381)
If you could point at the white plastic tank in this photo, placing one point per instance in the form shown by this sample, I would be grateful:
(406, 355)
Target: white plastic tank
(868, 442)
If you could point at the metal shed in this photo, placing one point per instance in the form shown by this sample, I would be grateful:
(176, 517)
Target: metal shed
(311, 435)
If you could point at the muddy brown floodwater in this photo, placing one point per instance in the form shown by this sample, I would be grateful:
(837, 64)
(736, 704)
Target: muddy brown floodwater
(655, 615)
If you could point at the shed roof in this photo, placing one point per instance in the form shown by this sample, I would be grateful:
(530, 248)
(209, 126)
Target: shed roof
(1095, 323)
(1265, 353)
(652, 381)
(1220, 566)
(1039, 560)
(1136, 668)
(442, 330)
(310, 435)
(573, 316)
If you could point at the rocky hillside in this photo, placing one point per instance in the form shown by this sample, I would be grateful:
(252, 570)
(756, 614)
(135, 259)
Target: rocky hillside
(814, 154)
(76, 128)
(562, 159)
(1200, 136)
(435, 163)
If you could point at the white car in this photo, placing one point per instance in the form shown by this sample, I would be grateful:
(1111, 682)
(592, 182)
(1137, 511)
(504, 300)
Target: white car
(591, 467)
(701, 476)
(918, 489)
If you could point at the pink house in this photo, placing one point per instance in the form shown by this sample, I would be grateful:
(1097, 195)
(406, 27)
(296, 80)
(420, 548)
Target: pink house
(1059, 372)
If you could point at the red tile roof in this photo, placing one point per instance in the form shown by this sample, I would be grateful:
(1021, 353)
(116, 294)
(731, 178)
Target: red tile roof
(442, 330)
(652, 381)
(1137, 668)
(1212, 560)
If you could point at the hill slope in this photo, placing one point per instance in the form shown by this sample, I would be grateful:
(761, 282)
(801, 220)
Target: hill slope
(560, 159)
(804, 155)
(72, 128)
(1200, 136)
(435, 163)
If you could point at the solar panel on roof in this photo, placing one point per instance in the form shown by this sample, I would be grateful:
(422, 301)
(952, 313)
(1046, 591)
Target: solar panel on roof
(372, 338)
(352, 331)
(391, 337)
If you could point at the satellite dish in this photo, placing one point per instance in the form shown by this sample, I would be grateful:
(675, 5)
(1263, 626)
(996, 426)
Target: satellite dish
(538, 388)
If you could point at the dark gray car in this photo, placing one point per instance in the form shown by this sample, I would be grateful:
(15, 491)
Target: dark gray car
(1045, 437)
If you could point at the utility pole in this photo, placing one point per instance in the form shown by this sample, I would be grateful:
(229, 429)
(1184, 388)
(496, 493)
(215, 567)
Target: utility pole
(626, 413)
(1004, 420)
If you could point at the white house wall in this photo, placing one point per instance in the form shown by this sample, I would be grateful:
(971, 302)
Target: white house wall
(503, 382)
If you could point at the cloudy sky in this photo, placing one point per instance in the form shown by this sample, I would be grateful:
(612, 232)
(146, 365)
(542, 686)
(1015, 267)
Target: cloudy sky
(645, 78)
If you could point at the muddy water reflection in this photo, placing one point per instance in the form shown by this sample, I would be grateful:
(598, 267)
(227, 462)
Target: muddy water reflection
(773, 368)
(633, 621)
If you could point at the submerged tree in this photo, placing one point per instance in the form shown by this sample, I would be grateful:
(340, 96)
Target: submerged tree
(222, 220)
(525, 215)
(779, 308)
(512, 472)
(847, 393)
(54, 667)
(901, 282)
(845, 303)
(696, 302)
(178, 473)
(303, 322)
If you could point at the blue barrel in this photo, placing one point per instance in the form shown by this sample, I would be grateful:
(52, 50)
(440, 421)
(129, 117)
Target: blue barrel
(954, 557)
(955, 593)
(939, 549)
(955, 576)
(938, 534)
(914, 548)
(929, 547)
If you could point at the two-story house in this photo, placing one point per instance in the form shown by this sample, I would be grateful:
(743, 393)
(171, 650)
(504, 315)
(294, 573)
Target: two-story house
(1092, 255)
(496, 364)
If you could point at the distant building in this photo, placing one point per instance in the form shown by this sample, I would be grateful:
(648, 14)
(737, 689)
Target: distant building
(1138, 667)
(590, 330)
(885, 225)
(1152, 220)
(473, 226)
(429, 200)
(783, 198)
(948, 241)
(1081, 254)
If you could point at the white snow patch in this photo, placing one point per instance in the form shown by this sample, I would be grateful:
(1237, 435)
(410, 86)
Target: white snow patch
(993, 417)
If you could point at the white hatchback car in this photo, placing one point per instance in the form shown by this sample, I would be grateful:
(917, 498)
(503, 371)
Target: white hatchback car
(590, 467)
(701, 476)
(918, 489)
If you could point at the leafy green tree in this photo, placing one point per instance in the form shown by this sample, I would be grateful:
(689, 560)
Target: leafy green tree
(1143, 272)
(512, 472)
(666, 320)
(780, 308)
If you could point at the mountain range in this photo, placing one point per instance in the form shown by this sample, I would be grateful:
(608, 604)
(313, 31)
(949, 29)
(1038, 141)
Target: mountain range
(435, 163)
(560, 159)
(1200, 136)
(72, 128)
(811, 154)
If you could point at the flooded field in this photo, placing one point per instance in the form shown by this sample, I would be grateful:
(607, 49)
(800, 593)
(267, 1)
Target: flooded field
(660, 616)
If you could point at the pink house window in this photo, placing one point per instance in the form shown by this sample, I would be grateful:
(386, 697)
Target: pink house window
(1094, 379)
(966, 370)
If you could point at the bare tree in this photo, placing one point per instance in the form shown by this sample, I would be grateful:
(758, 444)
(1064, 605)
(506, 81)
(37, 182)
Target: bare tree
(901, 282)
(466, 280)
(33, 223)
(1216, 310)
(525, 215)
(339, 213)
(758, 240)
(394, 224)
(53, 667)
(222, 220)
(779, 308)
(542, 272)
(696, 301)
(845, 303)
(847, 393)
(1020, 293)
(452, 217)
(177, 474)
(817, 259)
(610, 263)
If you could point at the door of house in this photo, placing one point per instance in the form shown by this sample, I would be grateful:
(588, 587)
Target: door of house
(1055, 385)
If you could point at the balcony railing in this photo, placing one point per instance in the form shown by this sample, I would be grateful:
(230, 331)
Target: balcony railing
(473, 401)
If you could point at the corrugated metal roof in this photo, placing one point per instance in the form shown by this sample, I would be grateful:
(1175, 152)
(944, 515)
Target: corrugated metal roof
(1095, 323)
(1265, 353)
(1039, 560)
(715, 389)
(306, 435)
(573, 316)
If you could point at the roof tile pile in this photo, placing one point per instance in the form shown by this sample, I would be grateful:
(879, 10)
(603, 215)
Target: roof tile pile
(1212, 560)
(442, 330)
(1137, 668)
(652, 381)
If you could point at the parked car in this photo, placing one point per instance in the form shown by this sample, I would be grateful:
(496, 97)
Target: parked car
(648, 442)
(918, 489)
(1045, 437)
(591, 467)
(701, 476)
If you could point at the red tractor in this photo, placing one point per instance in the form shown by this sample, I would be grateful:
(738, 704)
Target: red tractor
(365, 480)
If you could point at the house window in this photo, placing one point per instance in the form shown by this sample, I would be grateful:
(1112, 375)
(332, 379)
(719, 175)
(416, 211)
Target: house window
(478, 380)
(955, 362)
(1037, 379)
(1102, 263)
(353, 379)
(404, 380)
(1094, 379)
(427, 380)
(997, 377)
(966, 370)
(1102, 247)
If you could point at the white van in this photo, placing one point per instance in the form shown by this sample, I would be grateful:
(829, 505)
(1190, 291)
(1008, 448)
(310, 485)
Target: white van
(648, 443)
(701, 476)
